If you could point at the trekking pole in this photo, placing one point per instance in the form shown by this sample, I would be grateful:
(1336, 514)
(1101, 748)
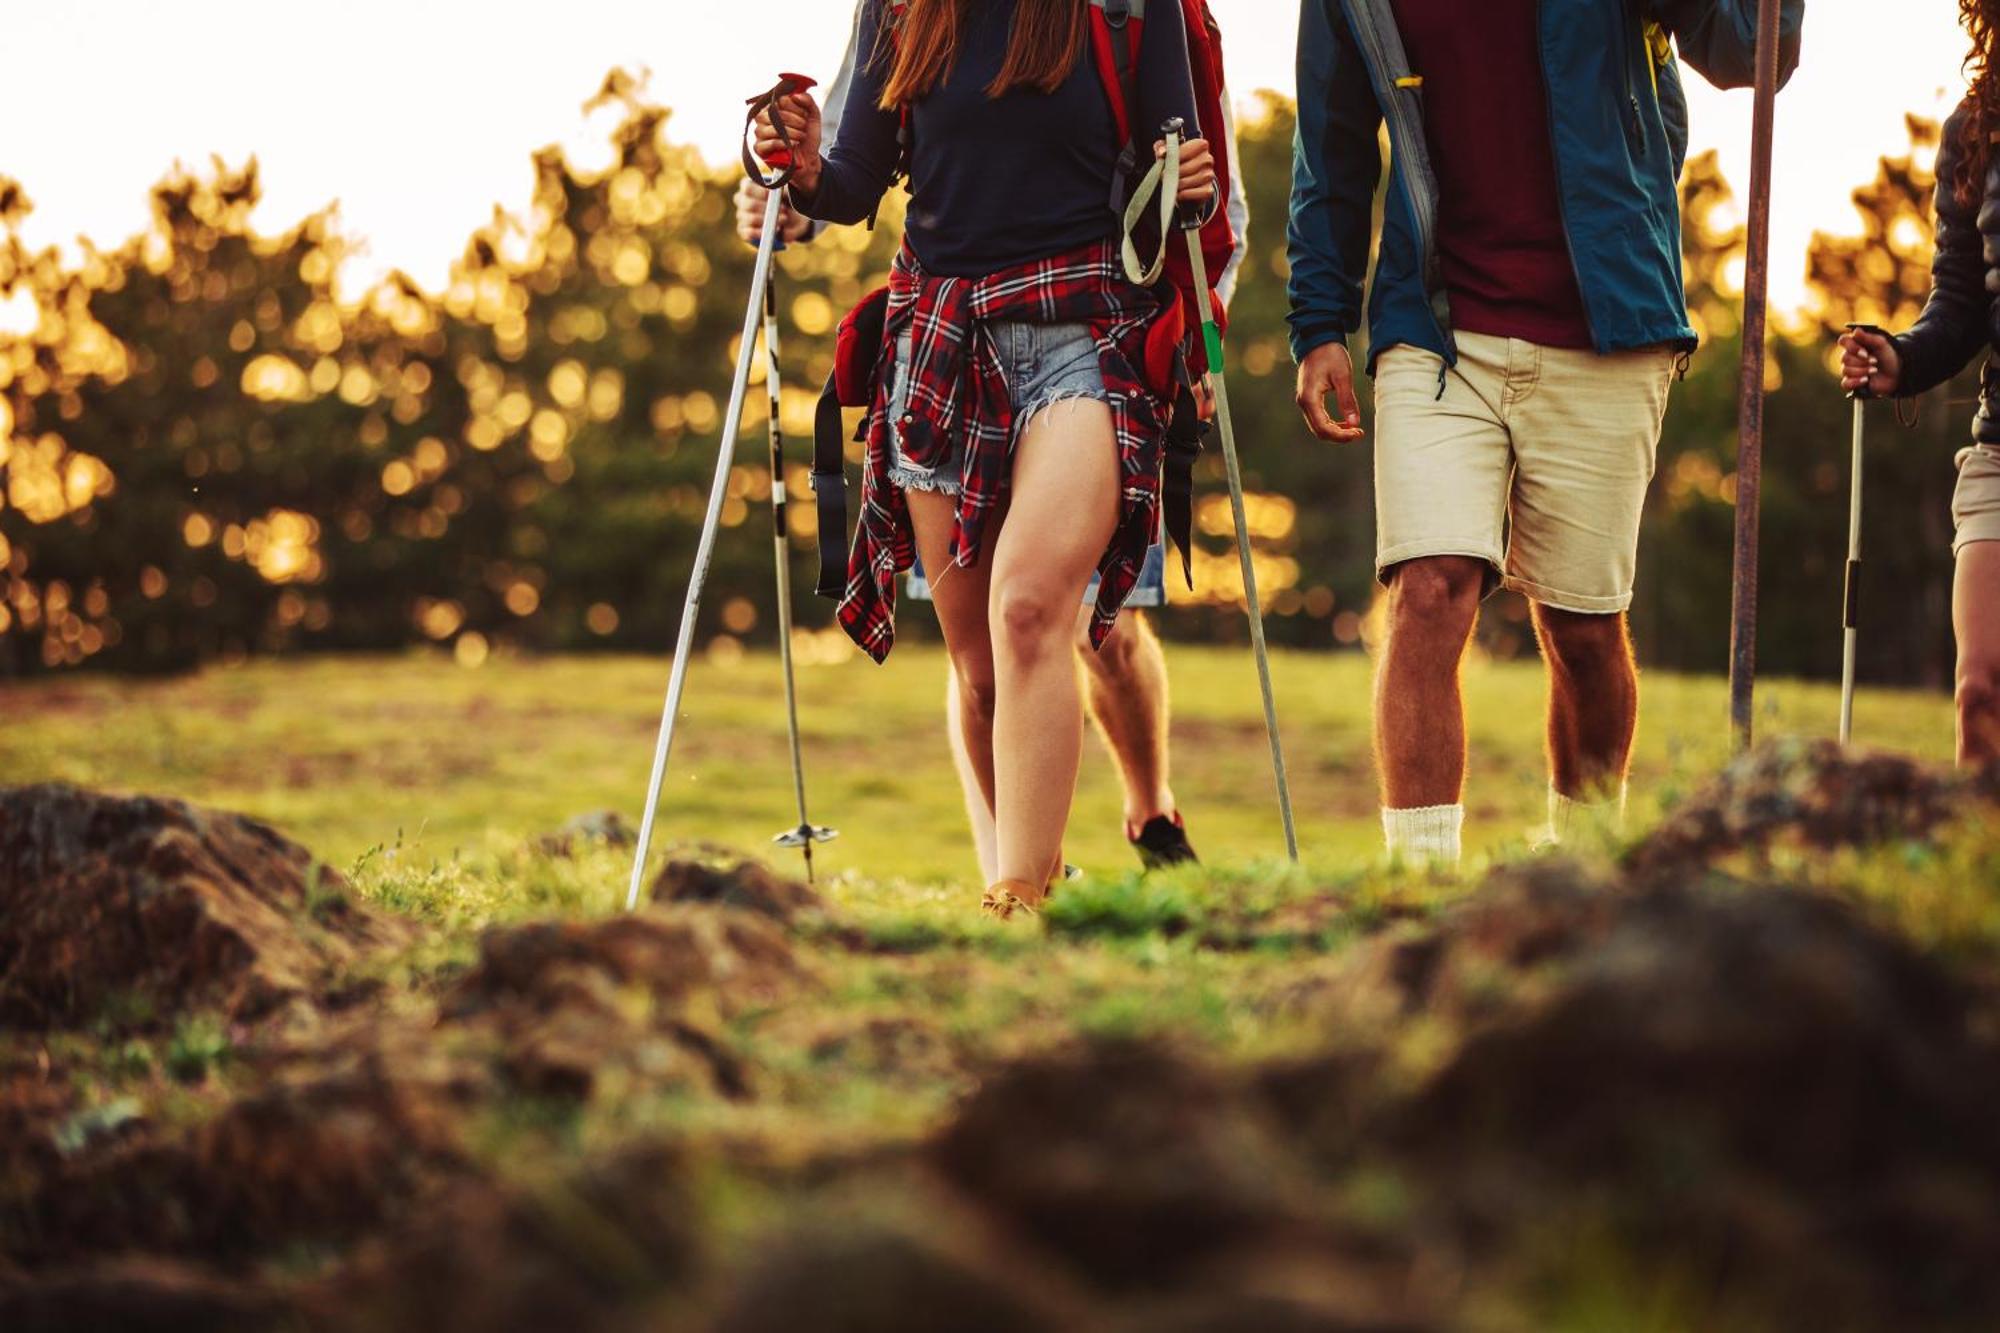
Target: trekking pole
(1851, 601)
(1750, 392)
(1212, 341)
(717, 491)
(806, 833)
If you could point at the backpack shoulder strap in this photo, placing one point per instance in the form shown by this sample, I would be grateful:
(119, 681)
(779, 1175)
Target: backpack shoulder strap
(1115, 29)
(896, 11)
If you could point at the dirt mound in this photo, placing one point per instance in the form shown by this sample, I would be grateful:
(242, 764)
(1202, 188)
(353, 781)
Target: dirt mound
(875, 1279)
(1812, 793)
(131, 909)
(638, 995)
(319, 1162)
(36, 1098)
(1121, 1158)
(746, 884)
(1310, 1292)
(1755, 1082)
(138, 1297)
(1470, 961)
(579, 1253)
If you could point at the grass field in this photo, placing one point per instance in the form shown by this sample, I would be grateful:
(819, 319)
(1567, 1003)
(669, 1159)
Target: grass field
(1217, 1062)
(417, 753)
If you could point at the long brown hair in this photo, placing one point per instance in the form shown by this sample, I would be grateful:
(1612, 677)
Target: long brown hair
(1042, 49)
(1982, 105)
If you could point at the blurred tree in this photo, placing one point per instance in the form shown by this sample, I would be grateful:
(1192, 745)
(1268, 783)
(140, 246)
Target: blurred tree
(205, 453)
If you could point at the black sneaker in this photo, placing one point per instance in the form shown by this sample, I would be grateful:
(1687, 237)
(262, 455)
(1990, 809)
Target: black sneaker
(1163, 842)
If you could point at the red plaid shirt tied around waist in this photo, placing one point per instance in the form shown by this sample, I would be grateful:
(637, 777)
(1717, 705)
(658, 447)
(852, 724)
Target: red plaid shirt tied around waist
(957, 390)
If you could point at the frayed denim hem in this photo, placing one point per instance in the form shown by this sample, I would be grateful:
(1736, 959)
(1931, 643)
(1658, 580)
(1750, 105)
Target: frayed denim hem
(915, 479)
(1026, 417)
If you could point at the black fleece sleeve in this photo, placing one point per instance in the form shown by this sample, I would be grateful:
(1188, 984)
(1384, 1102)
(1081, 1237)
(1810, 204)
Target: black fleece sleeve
(1957, 322)
(861, 165)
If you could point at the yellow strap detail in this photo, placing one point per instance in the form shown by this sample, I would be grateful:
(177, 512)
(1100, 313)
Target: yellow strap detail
(1414, 81)
(1659, 50)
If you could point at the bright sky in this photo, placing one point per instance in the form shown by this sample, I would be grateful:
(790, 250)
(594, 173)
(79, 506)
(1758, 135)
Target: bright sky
(419, 115)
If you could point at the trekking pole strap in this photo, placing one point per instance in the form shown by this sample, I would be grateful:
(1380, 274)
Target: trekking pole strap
(1164, 176)
(783, 162)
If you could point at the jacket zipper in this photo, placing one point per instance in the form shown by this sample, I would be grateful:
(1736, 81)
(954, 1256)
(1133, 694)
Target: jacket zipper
(1636, 125)
(1406, 139)
(1562, 188)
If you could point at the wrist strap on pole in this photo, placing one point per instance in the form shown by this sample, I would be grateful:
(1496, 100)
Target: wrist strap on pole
(775, 172)
(1165, 177)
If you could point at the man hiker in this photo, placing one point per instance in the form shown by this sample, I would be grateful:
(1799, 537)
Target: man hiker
(1526, 320)
(1126, 678)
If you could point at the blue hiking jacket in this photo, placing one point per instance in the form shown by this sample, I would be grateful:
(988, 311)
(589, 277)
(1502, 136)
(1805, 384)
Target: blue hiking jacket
(1618, 121)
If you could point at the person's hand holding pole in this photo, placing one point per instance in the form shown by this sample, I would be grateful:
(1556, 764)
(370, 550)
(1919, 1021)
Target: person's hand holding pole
(750, 197)
(1197, 170)
(798, 115)
(1869, 358)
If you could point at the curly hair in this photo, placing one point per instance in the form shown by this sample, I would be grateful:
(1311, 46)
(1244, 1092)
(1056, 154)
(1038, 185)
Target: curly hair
(1982, 104)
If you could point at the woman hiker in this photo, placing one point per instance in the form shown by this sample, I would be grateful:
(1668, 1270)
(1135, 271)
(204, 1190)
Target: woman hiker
(1126, 682)
(1015, 440)
(1961, 320)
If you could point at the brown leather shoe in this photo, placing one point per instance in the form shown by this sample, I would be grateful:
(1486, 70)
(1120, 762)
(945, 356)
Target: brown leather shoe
(1010, 898)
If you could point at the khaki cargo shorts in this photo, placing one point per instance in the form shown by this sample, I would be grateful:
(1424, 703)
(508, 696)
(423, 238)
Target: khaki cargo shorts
(1535, 460)
(1975, 504)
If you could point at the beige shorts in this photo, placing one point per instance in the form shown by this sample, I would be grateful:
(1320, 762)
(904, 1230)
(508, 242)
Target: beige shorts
(1535, 460)
(1975, 504)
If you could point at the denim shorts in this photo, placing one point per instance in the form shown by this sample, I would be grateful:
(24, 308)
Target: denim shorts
(1043, 364)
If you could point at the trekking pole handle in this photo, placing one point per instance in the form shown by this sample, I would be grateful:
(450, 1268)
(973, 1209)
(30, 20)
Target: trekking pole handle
(781, 163)
(1865, 390)
(1188, 217)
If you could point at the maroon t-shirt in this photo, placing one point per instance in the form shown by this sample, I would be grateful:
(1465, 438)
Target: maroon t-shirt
(1501, 242)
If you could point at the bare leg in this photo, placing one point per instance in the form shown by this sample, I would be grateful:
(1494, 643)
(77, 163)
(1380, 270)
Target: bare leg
(1976, 618)
(1063, 507)
(1593, 701)
(1419, 710)
(978, 811)
(1127, 681)
(960, 596)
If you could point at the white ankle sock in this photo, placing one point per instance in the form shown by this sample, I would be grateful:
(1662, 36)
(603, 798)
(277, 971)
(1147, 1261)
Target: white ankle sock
(1428, 835)
(1566, 814)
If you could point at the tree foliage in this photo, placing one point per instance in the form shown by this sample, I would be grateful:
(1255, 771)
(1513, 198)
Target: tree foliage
(207, 454)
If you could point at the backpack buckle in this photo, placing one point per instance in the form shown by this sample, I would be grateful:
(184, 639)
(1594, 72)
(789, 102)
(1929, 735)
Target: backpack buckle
(1117, 11)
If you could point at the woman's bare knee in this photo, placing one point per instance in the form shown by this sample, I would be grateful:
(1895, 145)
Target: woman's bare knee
(1031, 619)
(1978, 693)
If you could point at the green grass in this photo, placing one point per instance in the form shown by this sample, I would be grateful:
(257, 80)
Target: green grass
(430, 785)
(404, 766)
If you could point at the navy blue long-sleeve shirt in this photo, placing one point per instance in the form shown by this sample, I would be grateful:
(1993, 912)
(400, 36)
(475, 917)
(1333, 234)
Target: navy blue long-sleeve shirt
(996, 182)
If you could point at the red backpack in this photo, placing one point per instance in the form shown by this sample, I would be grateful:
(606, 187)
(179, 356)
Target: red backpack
(1116, 27)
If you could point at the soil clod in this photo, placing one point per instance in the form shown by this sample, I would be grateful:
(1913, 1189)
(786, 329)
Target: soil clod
(130, 910)
(746, 885)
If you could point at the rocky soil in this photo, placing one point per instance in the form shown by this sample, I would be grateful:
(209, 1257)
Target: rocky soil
(234, 1095)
